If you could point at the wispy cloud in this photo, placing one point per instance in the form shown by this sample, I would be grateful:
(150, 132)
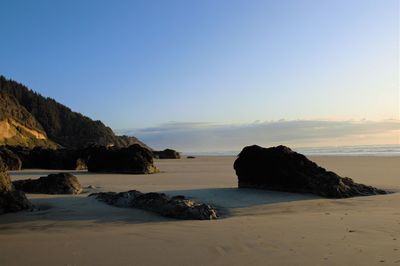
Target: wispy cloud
(209, 137)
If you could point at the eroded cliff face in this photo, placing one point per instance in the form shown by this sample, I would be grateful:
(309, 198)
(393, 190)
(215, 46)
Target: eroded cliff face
(14, 133)
(19, 127)
(10, 128)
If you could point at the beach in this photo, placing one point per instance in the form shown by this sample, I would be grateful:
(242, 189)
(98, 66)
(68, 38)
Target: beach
(256, 227)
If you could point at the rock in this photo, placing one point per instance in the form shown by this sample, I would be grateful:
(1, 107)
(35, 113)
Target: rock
(80, 164)
(190, 157)
(10, 159)
(280, 168)
(11, 200)
(134, 159)
(167, 154)
(176, 207)
(62, 183)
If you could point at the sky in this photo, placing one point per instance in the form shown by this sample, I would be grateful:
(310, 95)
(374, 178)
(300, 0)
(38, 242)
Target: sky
(151, 67)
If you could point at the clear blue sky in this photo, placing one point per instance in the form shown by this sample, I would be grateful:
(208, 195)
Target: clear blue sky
(137, 64)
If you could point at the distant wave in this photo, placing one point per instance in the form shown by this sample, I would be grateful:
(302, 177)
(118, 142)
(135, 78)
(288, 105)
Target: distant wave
(371, 150)
(365, 150)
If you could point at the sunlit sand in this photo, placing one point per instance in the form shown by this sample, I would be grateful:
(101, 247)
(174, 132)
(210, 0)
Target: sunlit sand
(256, 227)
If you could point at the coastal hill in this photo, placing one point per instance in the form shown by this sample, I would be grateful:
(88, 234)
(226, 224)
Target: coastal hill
(28, 119)
(19, 127)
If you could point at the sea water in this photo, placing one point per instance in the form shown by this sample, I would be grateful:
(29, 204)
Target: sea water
(365, 150)
(360, 150)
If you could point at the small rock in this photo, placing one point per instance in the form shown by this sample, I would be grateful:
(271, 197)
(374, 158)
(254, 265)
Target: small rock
(62, 183)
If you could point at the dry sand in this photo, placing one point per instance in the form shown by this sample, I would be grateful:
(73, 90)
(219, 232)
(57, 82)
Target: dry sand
(258, 227)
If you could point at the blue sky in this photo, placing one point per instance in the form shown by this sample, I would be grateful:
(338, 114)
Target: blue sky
(143, 64)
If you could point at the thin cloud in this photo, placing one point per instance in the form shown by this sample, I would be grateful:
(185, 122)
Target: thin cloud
(210, 137)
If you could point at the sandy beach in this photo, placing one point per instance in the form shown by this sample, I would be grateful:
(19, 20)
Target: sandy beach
(256, 228)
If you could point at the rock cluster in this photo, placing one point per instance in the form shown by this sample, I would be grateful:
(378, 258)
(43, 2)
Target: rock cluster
(44, 158)
(134, 159)
(177, 207)
(280, 168)
(131, 160)
(11, 200)
(62, 183)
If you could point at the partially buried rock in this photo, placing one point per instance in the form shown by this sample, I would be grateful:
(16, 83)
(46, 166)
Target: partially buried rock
(280, 168)
(131, 160)
(10, 159)
(11, 200)
(62, 183)
(177, 207)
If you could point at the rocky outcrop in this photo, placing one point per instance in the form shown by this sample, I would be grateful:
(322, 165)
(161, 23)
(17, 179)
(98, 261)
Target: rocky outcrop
(176, 207)
(280, 168)
(11, 200)
(10, 159)
(167, 154)
(62, 183)
(56, 159)
(131, 160)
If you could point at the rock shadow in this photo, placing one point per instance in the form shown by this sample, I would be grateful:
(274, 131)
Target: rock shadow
(226, 199)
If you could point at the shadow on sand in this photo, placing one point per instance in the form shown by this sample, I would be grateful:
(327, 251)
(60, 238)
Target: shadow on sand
(227, 199)
(57, 212)
(54, 212)
(231, 198)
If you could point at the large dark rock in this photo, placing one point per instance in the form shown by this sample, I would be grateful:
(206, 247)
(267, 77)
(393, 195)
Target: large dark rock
(280, 168)
(10, 159)
(11, 200)
(62, 183)
(131, 160)
(167, 154)
(176, 207)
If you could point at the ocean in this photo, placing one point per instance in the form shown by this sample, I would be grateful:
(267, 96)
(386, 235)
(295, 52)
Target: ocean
(365, 150)
(361, 150)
